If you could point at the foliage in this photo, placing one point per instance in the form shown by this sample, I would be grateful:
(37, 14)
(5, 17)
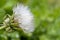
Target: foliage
(47, 20)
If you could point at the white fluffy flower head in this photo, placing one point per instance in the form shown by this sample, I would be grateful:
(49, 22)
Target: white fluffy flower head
(24, 16)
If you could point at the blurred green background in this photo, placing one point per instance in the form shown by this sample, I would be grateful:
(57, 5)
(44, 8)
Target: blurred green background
(46, 15)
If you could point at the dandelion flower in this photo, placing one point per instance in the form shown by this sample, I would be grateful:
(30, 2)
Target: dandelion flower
(24, 16)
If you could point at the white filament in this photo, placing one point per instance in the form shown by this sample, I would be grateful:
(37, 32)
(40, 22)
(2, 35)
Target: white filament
(25, 17)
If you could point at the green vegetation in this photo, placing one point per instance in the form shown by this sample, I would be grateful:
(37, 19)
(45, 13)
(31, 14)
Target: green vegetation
(46, 15)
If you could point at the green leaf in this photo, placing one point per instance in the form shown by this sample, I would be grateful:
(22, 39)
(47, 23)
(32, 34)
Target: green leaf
(2, 14)
(14, 35)
(2, 2)
(43, 37)
(9, 4)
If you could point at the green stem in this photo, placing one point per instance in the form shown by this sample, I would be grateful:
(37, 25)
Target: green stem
(2, 27)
